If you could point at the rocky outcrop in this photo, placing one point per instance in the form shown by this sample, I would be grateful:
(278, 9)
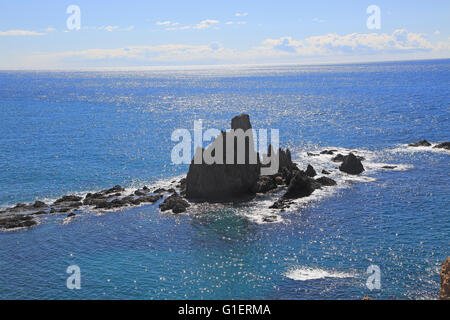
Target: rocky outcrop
(13, 221)
(301, 186)
(329, 152)
(423, 143)
(443, 145)
(351, 165)
(325, 181)
(310, 172)
(224, 182)
(445, 280)
(338, 158)
(175, 203)
(265, 184)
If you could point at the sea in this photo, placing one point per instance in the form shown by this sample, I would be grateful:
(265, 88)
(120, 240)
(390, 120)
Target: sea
(73, 132)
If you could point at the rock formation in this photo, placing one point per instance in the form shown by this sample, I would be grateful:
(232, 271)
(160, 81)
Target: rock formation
(218, 182)
(310, 172)
(351, 165)
(423, 143)
(443, 145)
(445, 280)
(301, 186)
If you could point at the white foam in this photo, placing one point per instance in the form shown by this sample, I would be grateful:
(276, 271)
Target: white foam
(408, 149)
(305, 273)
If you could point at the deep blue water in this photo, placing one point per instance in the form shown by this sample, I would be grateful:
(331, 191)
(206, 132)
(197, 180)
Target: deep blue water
(68, 132)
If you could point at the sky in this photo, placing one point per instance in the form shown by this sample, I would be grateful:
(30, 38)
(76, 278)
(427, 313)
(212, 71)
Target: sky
(137, 33)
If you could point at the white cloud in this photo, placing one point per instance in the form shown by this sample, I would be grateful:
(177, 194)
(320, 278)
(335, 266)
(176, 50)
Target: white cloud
(204, 24)
(20, 33)
(241, 14)
(167, 23)
(351, 44)
(285, 49)
(109, 28)
(437, 32)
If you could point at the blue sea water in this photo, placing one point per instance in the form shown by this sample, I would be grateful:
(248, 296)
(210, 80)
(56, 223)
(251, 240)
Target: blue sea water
(74, 132)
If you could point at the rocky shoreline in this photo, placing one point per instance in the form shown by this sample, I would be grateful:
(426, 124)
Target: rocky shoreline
(206, 183)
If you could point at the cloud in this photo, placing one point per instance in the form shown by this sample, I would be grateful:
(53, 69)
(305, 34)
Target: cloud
(352, 44)
(167, 23)
(318, 20)
(204, 24)
(20, 33)
(327, 47)
(437, 32)
(109, 28)
(241, 14)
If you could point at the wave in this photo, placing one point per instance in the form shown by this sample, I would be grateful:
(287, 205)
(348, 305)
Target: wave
(306, 273)
(405, 148)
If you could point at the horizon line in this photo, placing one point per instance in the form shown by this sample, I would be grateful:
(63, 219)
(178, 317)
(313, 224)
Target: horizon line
(212, 66)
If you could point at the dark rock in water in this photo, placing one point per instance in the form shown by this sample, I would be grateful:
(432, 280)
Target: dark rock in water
(160, 190)
(68, 199)
(280, 204)
(443, 145)
(265, 184)
(114, 189)
(225, 182)
(139, 193)
(175, 203)
(330, 152)
(325, 172)
(325, 181)
(16, 221)
(423, 143)
(310, 172)
(145, 188)
(445, 280)
(270, 219)
(351, 165)
(389, 167)
(146, 199)
(338, 158)
(40, 213)
(69, 204)
(39, 204)
(301, 186)
(70, 215)
(310, 154)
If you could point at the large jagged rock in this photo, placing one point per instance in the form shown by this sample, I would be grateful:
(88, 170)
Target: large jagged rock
(443, 145)
(225, 182)
(310, 172)
(423, 143)
(445, 280)
(351, 165)
(301, 186)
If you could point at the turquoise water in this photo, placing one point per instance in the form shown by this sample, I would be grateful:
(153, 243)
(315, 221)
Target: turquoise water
(74, 132)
